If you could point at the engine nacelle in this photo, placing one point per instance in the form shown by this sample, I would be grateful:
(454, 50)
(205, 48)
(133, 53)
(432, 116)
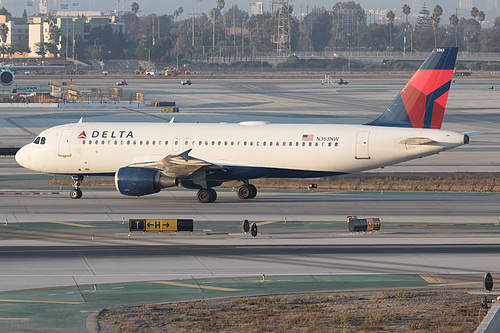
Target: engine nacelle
(137, 182)
(6, 77)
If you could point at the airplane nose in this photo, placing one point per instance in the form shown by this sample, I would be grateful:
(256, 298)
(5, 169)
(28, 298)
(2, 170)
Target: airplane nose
(23, 157)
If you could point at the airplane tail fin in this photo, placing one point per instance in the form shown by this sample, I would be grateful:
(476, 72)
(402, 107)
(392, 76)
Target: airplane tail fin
(422, 101)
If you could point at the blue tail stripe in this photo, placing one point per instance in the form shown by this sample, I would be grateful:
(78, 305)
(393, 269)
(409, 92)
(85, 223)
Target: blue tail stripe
(445, 59)
(429, 103)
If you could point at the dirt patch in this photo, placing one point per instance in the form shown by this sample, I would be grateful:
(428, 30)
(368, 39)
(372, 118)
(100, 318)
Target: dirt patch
(424, 182)
(360, 311)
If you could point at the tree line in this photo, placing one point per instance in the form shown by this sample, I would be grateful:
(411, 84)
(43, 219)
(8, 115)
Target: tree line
(228, 31)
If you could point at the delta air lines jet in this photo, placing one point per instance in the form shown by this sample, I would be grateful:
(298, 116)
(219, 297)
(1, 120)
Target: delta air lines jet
(146, 157)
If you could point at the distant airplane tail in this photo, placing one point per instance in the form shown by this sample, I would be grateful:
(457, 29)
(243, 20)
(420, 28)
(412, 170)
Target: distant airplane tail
(422, 101)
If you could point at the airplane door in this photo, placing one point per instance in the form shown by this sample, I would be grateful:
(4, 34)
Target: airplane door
(362, 151)
(185, 144)
(176, 144)
(64, 143)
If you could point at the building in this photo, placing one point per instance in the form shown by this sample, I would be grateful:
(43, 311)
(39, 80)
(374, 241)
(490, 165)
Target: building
(257, 8)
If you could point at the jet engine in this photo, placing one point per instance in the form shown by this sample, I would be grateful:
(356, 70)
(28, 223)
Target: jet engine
(6, 77)
(137, 182)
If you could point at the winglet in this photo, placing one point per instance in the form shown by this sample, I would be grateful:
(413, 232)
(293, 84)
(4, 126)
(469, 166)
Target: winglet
(172, 120)
(81, 120)
(185, 155)
(422, 101)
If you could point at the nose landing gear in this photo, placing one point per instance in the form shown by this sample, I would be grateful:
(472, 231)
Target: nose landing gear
(76, 193)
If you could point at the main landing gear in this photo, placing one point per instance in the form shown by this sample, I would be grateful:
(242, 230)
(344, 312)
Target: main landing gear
(76, 193)
(206, 195)
(247, 191)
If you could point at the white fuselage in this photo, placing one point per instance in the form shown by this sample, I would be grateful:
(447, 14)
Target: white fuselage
(103, 148)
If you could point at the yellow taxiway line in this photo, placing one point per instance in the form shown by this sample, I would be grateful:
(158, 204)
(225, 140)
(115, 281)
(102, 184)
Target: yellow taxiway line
(74, 224)
(432, 278)
(267, 222)
(31, 301)
(195, 286)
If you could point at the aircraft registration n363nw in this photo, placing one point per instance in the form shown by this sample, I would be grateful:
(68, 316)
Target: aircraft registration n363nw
(146, 157)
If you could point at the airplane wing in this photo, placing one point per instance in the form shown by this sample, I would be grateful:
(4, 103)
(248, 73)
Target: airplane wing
(180, 165)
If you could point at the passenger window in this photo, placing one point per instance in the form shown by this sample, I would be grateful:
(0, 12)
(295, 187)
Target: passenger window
(199, 143)
(140, 142)
(310, 144)
(83, 142)
(42, 140)
(103, 142)
(147, 142)
(225, 143)
(296, 144)
(290, 143)
(277, 144)
(90, 142)
(264, 143)
(329, 144)
(336, 144)
(116, 142)
(270, 143)
(322, 144)
(206, 143)
(135, 142)
(213, 143)
(218, 143)
(166, 143)
(251, 143)
(37, 140)
(303, 144)
(153, 143)
(128, 142)
(232, 143)
(244, 143)
(316, 144)
(257, 143)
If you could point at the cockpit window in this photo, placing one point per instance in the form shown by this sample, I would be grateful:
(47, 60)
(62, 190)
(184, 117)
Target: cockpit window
(37, 140)
(42, 140)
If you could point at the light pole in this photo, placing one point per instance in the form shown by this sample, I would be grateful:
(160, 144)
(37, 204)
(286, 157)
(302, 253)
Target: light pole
(75, 4)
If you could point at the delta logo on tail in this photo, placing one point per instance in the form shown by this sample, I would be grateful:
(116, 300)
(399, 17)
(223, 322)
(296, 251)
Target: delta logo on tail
(82, 135)
(422, 101)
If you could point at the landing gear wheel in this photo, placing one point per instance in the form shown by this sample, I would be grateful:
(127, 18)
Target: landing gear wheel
(206, 195)
(75, 193)
(214, 195)
(244, 192)
(253, 190)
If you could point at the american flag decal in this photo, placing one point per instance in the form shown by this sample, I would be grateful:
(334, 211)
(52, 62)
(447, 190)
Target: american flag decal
(307, 137)
(82, 135)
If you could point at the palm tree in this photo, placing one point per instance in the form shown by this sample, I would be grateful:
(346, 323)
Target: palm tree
(180, 12)
(135, 7)
(176, 14)
(390, 16)
(481, 16)
(4, 31)
(474, 12)
(406, 11)
(435, 17)
(454, 22)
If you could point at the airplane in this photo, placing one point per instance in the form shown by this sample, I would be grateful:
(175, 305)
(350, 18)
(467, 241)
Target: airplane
(186, 82)
(341, 82)
(147, 157)
(7, 72)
